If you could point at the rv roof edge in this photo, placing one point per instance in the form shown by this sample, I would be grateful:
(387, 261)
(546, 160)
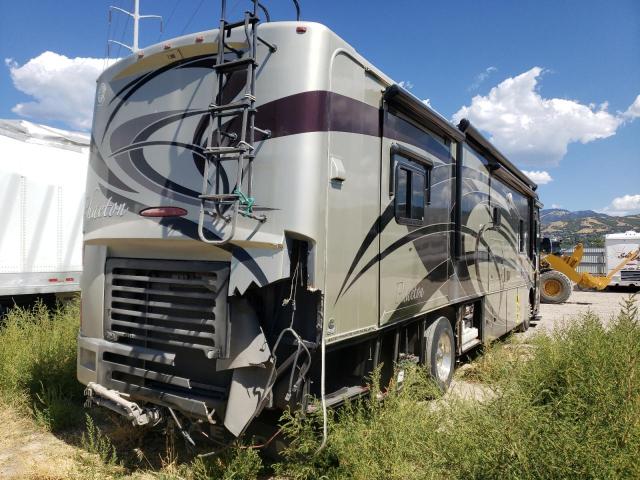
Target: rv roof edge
(395, 93)
(471, 132)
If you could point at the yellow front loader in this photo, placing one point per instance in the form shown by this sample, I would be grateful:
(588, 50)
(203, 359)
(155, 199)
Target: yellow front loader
(558, 271)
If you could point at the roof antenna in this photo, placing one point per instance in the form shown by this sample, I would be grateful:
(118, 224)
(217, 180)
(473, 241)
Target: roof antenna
(136, 20)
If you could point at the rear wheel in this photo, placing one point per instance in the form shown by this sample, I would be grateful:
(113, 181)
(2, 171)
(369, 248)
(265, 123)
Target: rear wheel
(555, 287)
(524, 326)
(440, 352)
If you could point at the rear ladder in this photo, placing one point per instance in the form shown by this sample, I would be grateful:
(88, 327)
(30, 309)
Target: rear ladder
(223, 146)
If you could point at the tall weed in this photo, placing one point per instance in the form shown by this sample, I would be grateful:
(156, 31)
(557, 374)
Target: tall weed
(38, 363)
(569, 408)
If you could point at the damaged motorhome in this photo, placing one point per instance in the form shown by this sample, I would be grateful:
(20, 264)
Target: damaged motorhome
(273, 218)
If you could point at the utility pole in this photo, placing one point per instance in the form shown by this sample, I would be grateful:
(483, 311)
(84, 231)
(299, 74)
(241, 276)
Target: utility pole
(136, 24)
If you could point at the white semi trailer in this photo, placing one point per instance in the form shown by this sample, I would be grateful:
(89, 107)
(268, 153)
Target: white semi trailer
(617, 247)
(42, 183)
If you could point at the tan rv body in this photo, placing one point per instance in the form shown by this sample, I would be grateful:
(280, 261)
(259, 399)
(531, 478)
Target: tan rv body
(366, 270)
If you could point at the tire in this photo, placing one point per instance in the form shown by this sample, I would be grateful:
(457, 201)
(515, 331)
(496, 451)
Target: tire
(524, 326)
(555, 287)
(526, 323)
(440, 352)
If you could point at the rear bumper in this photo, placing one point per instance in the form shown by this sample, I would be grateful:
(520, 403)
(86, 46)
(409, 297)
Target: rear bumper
(26, 283)
(165, 340)
(92, 368)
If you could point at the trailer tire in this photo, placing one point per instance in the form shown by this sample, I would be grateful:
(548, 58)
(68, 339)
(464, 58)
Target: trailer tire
(440, 352)
(555, 287)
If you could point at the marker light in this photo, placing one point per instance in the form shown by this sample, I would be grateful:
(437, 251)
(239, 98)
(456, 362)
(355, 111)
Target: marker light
(163, 212)
(301, 29)
(199, 39)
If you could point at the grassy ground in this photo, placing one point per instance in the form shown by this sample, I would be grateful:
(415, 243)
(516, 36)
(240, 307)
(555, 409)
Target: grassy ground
(38, 362)
(565, 405)
(39, 393)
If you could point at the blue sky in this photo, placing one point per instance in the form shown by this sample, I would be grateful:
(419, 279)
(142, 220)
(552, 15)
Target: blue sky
(571, 117)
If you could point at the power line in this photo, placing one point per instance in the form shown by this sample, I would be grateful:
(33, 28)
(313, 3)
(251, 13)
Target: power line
(193, 15)
(166, 25)
(234, 7)
(107, 53)
(124, 29)
(113, 26)
(126, 24)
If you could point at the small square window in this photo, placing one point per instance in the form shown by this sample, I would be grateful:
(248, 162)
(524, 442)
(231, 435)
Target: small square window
(410, 193)
(417, 195)
(403, 189)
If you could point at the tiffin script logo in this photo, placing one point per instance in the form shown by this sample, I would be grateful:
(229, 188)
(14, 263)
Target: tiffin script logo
(101, 93)
(105, 210)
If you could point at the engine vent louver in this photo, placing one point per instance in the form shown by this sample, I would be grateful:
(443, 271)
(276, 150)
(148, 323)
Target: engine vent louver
(171, 307)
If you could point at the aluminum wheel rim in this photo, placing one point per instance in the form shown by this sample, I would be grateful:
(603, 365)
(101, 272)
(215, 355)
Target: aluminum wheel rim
(444, 358)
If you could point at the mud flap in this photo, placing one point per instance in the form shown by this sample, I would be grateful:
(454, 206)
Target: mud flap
(249, 357)
(245, 394)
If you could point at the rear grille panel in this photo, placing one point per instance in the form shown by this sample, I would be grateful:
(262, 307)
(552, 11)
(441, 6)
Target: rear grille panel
(173, 307)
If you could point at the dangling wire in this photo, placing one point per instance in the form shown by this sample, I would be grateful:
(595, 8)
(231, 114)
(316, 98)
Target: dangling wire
(323, 398)
(297, 5)
(266, 12)
(292, 294)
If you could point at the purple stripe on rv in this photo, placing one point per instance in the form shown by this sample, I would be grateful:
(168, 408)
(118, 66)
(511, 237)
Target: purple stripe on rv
(318, 111)
(322, 111)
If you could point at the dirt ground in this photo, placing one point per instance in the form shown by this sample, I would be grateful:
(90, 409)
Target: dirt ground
(28, 451)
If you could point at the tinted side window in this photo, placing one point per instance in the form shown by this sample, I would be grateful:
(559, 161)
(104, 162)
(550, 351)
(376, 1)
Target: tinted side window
(403, 197)
(417, 195)
(410, 192)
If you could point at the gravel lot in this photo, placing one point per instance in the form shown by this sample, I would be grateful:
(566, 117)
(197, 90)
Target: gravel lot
(605, 304)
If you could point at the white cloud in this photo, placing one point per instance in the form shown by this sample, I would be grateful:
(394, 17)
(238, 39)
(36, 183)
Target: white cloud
(634, 109)
(555, 205)
(535, 130)
(541, 177)
(62, 88)
(406, 84)
(481, 77)
(625, 205)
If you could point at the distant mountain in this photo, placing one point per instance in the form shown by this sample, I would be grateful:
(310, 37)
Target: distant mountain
(584, 226)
